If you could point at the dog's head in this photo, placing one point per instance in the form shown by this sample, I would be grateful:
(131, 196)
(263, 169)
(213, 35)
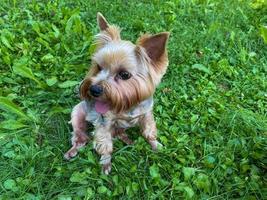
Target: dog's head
(124, 74)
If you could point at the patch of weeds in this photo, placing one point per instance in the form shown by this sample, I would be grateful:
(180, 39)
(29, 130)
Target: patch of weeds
(210, 108)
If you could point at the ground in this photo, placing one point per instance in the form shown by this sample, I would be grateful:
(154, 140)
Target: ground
(210, 108)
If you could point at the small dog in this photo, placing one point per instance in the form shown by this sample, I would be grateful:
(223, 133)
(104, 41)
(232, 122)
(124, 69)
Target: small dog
(117, 92)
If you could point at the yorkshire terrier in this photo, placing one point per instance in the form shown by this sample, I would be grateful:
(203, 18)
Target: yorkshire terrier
(117, 92)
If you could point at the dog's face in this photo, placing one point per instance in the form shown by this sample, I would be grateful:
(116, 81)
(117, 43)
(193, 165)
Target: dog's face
(124, 74)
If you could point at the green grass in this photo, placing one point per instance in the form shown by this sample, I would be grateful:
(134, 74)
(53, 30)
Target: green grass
(210, 107)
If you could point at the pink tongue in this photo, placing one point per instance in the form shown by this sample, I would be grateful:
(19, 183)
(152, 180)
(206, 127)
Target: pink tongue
(101, 107)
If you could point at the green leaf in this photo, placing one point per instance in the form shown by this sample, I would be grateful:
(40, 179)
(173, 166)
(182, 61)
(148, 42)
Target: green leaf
(210, 161)
(89, 192)
(43, 42)
(154, 171)
(9, 184)
(48, 57)
(73, 23)
(135, 186)
(51, 81)
(202, 182)
(263, 31)
(36, 27)
(20, 68)
(257, 4)
(115, 179)
(11, 125)
(9, 106)
(5, 41)
(57, 32)
(188, 172)
(10, 154)
(64, 198)
(90, 157)
(68, 84)
(189, 192)
(78, 177)
(102, 189)
(194, 118)
(201, 67)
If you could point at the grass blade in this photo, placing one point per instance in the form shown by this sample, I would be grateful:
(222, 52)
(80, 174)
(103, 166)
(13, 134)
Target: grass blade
(20, 68)
(9, 106)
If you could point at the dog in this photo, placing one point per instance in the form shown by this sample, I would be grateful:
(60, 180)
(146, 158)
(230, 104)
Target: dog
(117, 92)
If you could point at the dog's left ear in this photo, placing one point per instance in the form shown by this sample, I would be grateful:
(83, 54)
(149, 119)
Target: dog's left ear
(102, 22)
(155, 45)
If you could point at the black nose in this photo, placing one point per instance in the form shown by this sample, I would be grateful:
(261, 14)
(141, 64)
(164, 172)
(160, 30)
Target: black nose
(96, 90)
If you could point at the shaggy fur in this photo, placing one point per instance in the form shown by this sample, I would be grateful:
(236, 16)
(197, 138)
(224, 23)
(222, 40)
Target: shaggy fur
(129, 101)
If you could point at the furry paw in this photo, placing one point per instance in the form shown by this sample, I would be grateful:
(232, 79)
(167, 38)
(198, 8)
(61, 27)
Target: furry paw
(155, 145)
(74, 150)
(70, 153)
(106, 168)
(105, 161)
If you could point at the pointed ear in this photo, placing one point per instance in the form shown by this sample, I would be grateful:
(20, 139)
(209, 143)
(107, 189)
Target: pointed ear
(102, 22)
(155, 45)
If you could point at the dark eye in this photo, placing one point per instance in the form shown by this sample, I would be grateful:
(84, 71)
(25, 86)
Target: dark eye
(99, 67)
(124, 75)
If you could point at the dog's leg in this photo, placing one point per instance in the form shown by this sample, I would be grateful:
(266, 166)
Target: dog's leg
(79, 125)
(120, 133)
(104, 146)
(149, 130)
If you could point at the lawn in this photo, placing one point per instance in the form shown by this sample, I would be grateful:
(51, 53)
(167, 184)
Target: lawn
(210, 109)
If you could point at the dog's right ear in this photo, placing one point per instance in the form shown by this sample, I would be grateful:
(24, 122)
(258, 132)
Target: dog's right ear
(102, 22)
(107, 33)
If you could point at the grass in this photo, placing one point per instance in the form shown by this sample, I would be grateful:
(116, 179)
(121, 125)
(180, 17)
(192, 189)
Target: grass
(210, 107)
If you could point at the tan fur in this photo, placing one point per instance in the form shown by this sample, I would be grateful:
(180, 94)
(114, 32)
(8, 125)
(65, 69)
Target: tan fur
(146, 62)
(112, 33)
(103, 140)
(149, 129)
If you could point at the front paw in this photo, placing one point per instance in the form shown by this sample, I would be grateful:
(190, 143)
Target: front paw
(155, 145)
(106, 168)
(70, 153)
(74, 149)
(105, 161)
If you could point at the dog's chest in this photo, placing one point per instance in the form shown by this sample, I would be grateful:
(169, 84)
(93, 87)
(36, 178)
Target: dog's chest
(124, 120)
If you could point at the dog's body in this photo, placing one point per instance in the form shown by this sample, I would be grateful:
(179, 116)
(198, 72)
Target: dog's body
(118, 91)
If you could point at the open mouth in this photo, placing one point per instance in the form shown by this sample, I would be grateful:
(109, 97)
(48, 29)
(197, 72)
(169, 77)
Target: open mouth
(101, 106)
